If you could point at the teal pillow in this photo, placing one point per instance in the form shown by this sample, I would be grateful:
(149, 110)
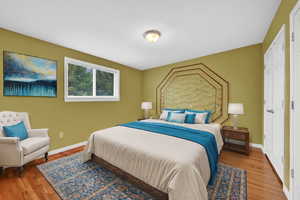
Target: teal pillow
(190, 118)
(17, 130)
(202, 111)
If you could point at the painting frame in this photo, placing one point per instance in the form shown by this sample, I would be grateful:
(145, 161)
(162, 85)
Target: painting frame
(39, 84)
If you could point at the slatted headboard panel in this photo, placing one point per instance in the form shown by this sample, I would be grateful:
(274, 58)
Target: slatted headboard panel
(194, 87)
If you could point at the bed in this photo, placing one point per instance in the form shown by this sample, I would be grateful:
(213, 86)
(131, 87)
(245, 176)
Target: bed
(171, 167)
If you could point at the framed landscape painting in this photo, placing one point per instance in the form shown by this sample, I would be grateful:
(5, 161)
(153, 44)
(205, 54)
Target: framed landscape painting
(25, 75)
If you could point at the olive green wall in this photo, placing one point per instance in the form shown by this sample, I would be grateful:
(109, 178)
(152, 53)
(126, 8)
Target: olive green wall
(282, 18)
(76, 120)
(242, 68)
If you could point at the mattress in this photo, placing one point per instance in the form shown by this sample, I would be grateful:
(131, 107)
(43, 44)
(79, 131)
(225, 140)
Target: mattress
(175, 166)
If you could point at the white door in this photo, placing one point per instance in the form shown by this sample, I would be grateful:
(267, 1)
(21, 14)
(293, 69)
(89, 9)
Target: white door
(278, 103)
(268, 106)
(295, 97)
(274, 102)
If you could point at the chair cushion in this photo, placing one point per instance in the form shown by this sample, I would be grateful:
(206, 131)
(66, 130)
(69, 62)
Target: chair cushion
(32, 144)
(17, 130)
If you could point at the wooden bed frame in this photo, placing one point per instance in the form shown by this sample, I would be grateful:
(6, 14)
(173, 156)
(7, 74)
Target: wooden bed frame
(157, 194)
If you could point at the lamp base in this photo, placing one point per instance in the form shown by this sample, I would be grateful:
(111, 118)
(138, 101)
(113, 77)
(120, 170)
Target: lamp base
(235, 122)
(146, 114)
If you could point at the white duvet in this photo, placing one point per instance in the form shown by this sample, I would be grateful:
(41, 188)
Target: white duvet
(173, 165)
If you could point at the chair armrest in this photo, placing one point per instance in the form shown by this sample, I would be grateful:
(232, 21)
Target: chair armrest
(9, 140)
(11, 152)
(38, 132)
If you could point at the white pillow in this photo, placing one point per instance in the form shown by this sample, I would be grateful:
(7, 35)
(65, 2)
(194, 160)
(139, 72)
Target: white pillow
(199, 118)
(1, 132)
(176, 117)
(164, 114)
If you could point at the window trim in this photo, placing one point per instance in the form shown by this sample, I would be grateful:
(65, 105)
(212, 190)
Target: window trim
(94, 67)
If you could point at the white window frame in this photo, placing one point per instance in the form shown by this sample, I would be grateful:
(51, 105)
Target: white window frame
(94, 67)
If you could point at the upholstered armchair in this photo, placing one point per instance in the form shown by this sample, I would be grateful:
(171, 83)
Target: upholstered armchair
(16, 153)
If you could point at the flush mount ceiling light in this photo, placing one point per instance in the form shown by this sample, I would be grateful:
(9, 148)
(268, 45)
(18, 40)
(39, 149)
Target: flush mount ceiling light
(152, 35)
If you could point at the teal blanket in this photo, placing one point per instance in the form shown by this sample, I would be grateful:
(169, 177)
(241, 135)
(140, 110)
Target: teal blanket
(205, 139)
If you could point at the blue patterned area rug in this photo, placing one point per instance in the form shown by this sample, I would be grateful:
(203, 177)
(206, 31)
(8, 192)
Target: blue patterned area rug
(74, 180)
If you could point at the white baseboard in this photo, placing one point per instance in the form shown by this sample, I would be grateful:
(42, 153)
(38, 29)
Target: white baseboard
(66, 148)
(286, 191)
(259, 146)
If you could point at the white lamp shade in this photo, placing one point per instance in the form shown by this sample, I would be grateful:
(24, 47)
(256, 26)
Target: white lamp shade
(146, 105)
(236, 109)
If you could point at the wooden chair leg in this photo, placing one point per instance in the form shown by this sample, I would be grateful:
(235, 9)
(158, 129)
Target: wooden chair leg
(20, 171)
(1, 171)
(46, 156)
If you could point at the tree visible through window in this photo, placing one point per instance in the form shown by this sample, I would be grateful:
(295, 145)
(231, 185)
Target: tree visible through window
(89, 82)
(80, 81)
(104, 83)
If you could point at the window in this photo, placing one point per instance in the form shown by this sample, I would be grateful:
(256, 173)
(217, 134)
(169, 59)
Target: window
(90, 82)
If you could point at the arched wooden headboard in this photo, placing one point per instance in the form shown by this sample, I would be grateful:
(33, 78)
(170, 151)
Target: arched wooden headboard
(194, 87)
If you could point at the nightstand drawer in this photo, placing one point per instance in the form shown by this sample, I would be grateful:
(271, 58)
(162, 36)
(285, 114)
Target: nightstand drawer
(236, 136)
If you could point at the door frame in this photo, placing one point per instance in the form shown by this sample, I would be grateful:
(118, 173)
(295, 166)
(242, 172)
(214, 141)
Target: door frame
(277, 37)
(292, 118)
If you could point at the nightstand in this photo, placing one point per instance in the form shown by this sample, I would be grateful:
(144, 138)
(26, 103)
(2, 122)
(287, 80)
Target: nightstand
(236, 139)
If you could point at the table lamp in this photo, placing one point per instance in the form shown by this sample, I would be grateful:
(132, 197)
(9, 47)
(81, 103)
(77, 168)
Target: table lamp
(235, 109)
(146, 106)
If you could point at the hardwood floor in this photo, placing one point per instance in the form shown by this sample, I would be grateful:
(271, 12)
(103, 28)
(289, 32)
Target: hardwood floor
(262, 182)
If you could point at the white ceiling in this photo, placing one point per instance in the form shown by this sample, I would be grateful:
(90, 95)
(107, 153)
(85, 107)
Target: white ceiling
(113, 29)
